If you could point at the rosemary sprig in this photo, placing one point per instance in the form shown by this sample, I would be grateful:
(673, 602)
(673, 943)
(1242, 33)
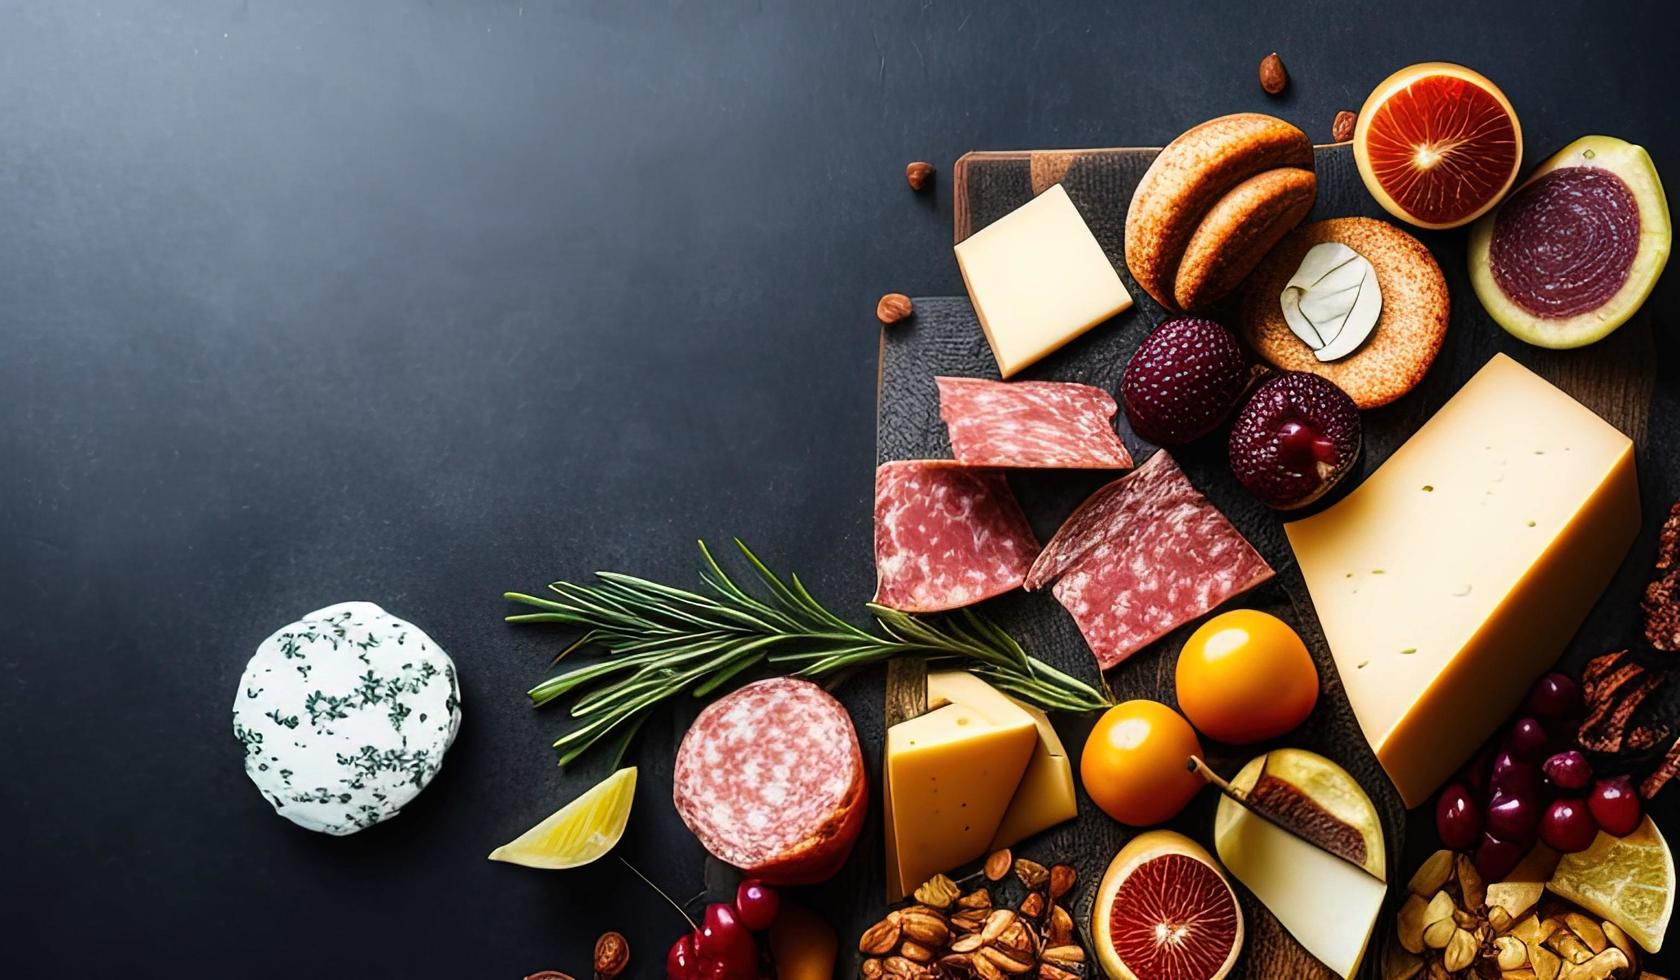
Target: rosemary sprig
(662, 641)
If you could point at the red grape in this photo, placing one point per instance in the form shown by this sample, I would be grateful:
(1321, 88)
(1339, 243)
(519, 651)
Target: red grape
(1458, 821)
(1512, 817)
(682, 962)
(1496, 858)
(1615, 806)
(1528, 739)
(757, 904)
(1513, 777)
(1553, 696)
(1568, 826)
(1568, 770)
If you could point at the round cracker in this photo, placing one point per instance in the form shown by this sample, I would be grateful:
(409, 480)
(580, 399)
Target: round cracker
(1409, 331)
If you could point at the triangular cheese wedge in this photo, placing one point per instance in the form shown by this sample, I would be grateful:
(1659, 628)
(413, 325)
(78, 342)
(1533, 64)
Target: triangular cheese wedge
(948, 780)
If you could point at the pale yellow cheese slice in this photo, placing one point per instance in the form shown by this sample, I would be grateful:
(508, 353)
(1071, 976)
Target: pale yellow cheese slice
(1457, 573)
(1038, 279)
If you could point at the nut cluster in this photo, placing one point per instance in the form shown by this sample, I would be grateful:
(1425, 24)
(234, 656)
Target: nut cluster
(953, 934)
(1452, 925)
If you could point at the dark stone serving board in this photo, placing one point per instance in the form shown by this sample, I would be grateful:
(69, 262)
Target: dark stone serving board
(943, 338)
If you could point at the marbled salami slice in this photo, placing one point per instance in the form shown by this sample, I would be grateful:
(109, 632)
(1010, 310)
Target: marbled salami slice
(1031, 424)
(770, 778)
(1142, 556)
(946, 536)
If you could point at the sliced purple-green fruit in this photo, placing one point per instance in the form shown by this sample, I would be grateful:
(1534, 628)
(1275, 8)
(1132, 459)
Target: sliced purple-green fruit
(1574, 251)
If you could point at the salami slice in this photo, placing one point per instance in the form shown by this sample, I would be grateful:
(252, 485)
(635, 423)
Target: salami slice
(1142, 556)
(946, 536)
(1031, 424)
(770, 778)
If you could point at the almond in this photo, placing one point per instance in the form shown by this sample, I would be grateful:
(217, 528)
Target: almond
(1342, 129)
(998, 864)
(1273, 78)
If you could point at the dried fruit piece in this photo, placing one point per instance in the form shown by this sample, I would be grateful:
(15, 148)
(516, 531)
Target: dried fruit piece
(612, 954)
(918, 174)
(1033, 905)
(1342, 129)
(1062, 878)
(893, 307)
(1273, 77)
(1605, 727)
(998, 864)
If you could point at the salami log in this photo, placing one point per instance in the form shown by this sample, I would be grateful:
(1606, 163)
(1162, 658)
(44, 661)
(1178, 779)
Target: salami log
(946, 536)
(1142, 556)
(1031, 424)
(770, 779)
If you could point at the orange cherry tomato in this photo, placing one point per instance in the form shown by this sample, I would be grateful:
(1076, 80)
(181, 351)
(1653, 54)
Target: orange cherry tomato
(1135, 763)
(1245, 676)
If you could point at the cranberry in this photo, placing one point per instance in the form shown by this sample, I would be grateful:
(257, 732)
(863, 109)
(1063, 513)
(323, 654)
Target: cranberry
(1458, 821)
(1496, 858)
(1568, 826)
(1615, 806)
(1528, 740)
(1553, 696)
(757, 904)
(1513, 817)
(1568, 770)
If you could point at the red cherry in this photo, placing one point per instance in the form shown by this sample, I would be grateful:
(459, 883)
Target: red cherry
(1554, 696)
(1528, 740)
(1513, 777)
(1513, 817)
(1496, 858)
(1458, 821)
(1568, 770)
(683, 961)
(1615, 806)
(1568, 826)
(757, 904)
(723, 939)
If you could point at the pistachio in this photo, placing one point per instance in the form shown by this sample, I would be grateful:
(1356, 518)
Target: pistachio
(1460, 952)
(1409, 923)
(1437, 934)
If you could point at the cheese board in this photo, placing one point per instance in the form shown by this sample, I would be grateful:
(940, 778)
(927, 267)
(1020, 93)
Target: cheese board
(1615, 378)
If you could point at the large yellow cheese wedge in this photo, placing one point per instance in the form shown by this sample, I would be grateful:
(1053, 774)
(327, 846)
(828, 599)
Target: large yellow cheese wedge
(1045, 796)
(1456, 574)
(948, 779)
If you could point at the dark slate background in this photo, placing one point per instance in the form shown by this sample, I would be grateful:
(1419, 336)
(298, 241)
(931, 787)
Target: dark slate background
(415, 302)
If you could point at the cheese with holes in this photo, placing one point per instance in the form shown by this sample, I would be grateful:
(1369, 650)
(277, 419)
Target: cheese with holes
(1045, 796)
(1457, 573)
(948, 780)
(1038, 279)
(1326, 903)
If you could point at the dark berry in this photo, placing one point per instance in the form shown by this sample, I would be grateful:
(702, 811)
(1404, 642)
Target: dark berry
(1568, 825)
(1183, 380)
(1615, 806)
(1294, 440)
(1568, 771)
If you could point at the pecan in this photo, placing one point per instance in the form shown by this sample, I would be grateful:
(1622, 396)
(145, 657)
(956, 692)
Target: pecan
(612, 954)
(918, 174)
(998, 864)
(1606, 726)
(1668, 540)
(881, 937)
(1597, 669)
(1645, 736)
(1031, 873)
(1342, 129)
(893, 307)
(549, 975)
(980, 898)
(1062, 877)
(924, 926)
(1273, 78)
(1662, 612)
(1059, 930)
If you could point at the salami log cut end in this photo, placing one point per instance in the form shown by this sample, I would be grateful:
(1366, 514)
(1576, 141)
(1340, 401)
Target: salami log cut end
(1031, 424)
(770, 779)
(946, 536)
(1143, 556)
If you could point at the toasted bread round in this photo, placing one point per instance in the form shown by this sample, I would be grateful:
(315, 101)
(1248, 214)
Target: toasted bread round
(1188, 177)
(1239, 230)
(1409, 331)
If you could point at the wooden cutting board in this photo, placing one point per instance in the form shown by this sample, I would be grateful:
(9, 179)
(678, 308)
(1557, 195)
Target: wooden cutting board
(1615, 378)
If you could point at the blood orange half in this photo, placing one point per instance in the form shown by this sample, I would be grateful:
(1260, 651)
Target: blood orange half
(1164, 911)
(1437, 144)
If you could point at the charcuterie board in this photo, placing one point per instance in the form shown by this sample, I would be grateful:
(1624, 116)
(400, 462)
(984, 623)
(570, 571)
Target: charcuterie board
(1615, 378)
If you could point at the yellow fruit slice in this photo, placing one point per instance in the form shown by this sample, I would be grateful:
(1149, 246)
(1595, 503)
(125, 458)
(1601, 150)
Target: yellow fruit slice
(580, 832)
(1627, 880)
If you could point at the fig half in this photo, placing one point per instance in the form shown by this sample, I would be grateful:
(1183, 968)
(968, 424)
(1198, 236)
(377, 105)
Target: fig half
(1574, 251)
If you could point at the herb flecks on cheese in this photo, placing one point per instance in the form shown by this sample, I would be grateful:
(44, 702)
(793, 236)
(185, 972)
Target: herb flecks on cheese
(345, 716)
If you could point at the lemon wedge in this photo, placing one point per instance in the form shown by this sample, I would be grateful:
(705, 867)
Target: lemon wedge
(1627, 880)
(580, 832)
